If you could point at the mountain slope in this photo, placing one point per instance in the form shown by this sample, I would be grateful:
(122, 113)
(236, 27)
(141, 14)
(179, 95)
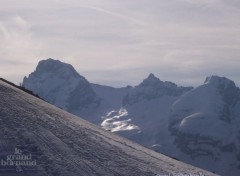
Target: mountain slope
(144, 111)
(63, 144)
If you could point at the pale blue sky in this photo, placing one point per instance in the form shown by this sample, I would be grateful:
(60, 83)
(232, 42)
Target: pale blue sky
(117, 42)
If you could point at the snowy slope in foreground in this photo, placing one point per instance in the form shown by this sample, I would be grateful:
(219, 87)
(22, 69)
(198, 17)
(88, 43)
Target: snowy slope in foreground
(63, 144)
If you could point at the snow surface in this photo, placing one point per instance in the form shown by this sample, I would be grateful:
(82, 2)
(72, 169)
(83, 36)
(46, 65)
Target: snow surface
(64, 144)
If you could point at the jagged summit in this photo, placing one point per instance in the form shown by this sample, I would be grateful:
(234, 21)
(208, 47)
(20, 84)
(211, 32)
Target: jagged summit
(151, 76)
(156, 83)
(151, 80)
(152, 88)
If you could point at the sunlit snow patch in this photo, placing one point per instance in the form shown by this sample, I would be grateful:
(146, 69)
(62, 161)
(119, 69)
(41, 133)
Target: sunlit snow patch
(116, 121)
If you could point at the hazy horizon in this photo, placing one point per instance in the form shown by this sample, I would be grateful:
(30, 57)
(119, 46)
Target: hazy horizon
(119, 43)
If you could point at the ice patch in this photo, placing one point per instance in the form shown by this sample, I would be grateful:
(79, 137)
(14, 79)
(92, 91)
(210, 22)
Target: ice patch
(116, 121)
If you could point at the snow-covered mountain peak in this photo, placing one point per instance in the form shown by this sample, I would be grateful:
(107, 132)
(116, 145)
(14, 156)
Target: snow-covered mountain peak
(204, 123)
(60, 84)
(219, 81)
(226, 87)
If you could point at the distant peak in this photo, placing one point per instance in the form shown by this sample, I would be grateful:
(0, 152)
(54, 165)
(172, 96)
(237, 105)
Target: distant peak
(52, 66)
(151, 80)
(51, 59)
(217, 80)
(151, 75)
(50, 62)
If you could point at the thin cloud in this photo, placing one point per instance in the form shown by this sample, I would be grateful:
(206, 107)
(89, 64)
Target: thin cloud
(204, 1)
(178, 40)
(98, 9)
(16, 48)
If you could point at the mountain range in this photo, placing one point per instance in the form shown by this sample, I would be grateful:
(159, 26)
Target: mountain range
(199, 126)
(40, 139)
